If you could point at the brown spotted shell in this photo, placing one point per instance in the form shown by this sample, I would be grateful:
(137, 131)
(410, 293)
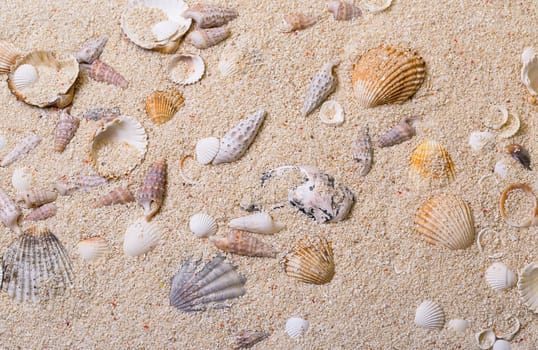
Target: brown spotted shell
(311, 261)
(161, 106)
(65, 130)
(21, 149)
(243, 243)
(151, 194)
(321, 86)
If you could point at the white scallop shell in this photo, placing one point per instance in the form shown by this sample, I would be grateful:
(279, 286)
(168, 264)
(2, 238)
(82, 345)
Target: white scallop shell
(92, 248)
(485, 339)
(501, 168)
(202, 225)
(207, 149)
(331, 113)
(195, 67)
(430, 315)
(257, 223)
(140, 237)
(478, 140)
(296, 327)
(500, 277)
(458, 325)
(528, 286)
(25, 76)
(374, 8)
(22, 179)
(502, 344)
(529, 70)
(165, 29)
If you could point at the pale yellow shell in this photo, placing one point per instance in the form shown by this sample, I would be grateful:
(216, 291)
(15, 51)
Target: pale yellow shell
(92, 248)
(431, 163)
(311, 261)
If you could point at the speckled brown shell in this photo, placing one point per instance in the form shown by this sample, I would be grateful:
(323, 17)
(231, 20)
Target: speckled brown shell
(343, 10)
(100, 113)
(161, 106)
(102, 72)
(210, 16)
(65, 130)
(120, 195)
(36, 198)
(431, 163)
(400, 133)
(91, 49)
(42, 213)
(311, 261)
(363, 152)
(297, 21)
(243, 243)
(151, 194)
(205, 38)
(9, 212)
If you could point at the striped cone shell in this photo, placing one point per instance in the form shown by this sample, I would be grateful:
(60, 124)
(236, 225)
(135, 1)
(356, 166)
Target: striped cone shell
(321, 86)
(151, 193)
(243, 243)
(91, 49)
(205, 38)
(42, 213)
(210, 16)
(343, 10)
(22, 148)
(36, 198)
(102, 72)
(65, 130)
(120, 195)
(297, 21)
(400, 133)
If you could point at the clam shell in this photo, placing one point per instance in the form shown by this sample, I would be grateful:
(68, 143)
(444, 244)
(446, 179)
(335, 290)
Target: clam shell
(165, 30)
(42, 213)
(22, 148)
(529, 70)
(210, 16)
(196, 288)
(343, 11)
(246, 339)
(311, 261)
(36, 266)
(8, 56)
(102, 72)
(194, 68)
(431, 163)
(242, 243)
(387, 75)
(151, 194)
(533, 219)
(430, 315)
(527, 286)
(297, 21)
(202, 225)
(9, 212)
(374, 8)
(22, 179)
(25, 76)
(91, 49)
(161, 106)
(478, 140)
(500, 277)
(65, 130)
(363, 151)
(400, 133)
(36, 198)
(458, 325)
(257, 223)
(120, 195)
(121, 131)
(67, 185)
(485, 339)
(501, 344)
(321, 86)
(446, 220)
(331, 113)
(140, 237)
(92, 248)
(205, 38)
(296, 327)
(207, 149)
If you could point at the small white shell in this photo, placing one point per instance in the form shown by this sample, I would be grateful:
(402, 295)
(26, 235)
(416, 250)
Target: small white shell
(257, 223)
(430, 315)
(502, 344)
(207, 149)
(296, 327)
(22, 179)
(528, 286)
(92, 248)
(485, 339)
(25, 76)
(140, 237)
(195, 68)
(331, 113)
(165, 29)
(529, 70)
(501, 168)
(202, 225)
(377, 8)
(458, 325)
(478, 140)
(500, 277)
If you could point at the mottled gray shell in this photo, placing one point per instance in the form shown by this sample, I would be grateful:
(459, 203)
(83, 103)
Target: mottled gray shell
(363, 152)
(320, 87)
(399, 133)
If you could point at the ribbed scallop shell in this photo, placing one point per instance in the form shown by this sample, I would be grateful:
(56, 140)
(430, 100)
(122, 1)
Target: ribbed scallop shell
(205, 38)
(67, 185)
(500, 277)
(402, 132)
(120, 195)
(331, 113)
(528, 286)
(36, 198)
(8, 56)
(42, 213)
(65, 130)
(161, 106)
(25, 76)
(246, 339)
(430, 315)
(297, 21)
(296, 327)
(195, 68)
(321, 86)
(151, 194)
(140, 237)
(343, 10)
(91, 49)
(243, 243)
(22, 148)
(102, 72)
(210, 16)
(446, 220)
(207, 149)
(9, 212)
(36, 266)
(363, 151)
(430, 163)
(387, 75)
(239, 138)
(529, 70)
(202, 225)
(196, 288)
(22, 179)
(257, 223)
(311, 261)
(92, 248)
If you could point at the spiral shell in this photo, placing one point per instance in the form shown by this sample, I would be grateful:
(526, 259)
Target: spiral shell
(102, 72)
(343, 10)
(400, 133)
(36, 198)
(205, 38)
(161, 106)
(100, 113)
(321, 86)
(91, 49)
(246, 339)
(120, 195)
(363, 151)
(297, 21)
(210, 16)
(257, 223)
(431, 163)
(42, 213)
(430, 315)
(242, 243)
(311, 261)
(22, 148)
(67, 185)
(151, 194)
(65, 130)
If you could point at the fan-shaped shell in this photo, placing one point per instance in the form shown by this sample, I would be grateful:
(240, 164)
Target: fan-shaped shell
(186, 69)
(528, 286)
(22, 148)
(446, 220)
(206, 16)
(485, 339)
(203, 225)
(480, 139)
(458, 325)
(205, 38)
(321, 86)
(36, 266)
(207, 149)
(430, 315)
(296, 327)
(243, 243)
(22, 179)
(431, 163)
(56, 80)
(9, 212)
(331, 113)
(387, 75)
(500, 277)
(195, 288)
(257, 223)
(25, 76)
(165, 29)
(151, 194)
(311, 261)
(8, 56)
(140, 237)
(91, 49)
(240, 56)
(161, 106)
(118, 146)
(501, 344)
(92, 248)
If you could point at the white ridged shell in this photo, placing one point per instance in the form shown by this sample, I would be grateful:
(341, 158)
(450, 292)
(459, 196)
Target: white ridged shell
(478, 140)
(140, 237)
(165, 29)
(500, 277)
(331, 113)
(528, 286)
(207, 149)
(25, 76)
(458, 325)
(296, 327)
(257, 223)
(529, 70)
(485, 339)
(195, 65)
(502, 344)
(430, 315)
(22, 179)
(202, 225)
(92, 248)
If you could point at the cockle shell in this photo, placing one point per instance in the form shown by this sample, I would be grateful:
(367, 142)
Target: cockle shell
(99, 113)
(151, 194)
(520, 154)
(446, 220)
(207, 149)
(311, 261)
(296, 327)
(205, 38)
(9, 212)
(36, 266)
(67, 185)
(202, 225)
(297, 21)
(210, 16)
(185, 69)
(161, 106)
(485, 339)
(431, 163)
(363, 151)
(36, 198)
(195, 288)
(430, 315)
(25, 145)
(140, 237)
(374, 8)
(242, 243)
(92, 248)
(529, 70)
(165, 29)
(478, 140)
(25, 76)
(500, 277)
(400, 133)
(321, 86)
(533, 219)
(257, 223)
(120, 195)
(42, 213)
(331, 113)
(387, 74)
(501, 344)
(102, 72)
(239, 138)
(65, 130)
(528, 286)
(458, 325)
(343, 11)
(91, 49)
(8, 56)
(246, 339)
(22, 179)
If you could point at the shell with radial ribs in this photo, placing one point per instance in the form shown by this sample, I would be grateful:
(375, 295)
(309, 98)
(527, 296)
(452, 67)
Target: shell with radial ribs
(194, 72)
(520, 154)
(400, 133)
(203, 225)
(528, 286)
(25, 76)
(210, 16)
(430, 315)
(296, 327)
(205, 38)
(446, 220)
(161, 106)
(140, 237)
(500, 277)
(311, 261)
(61, 94)
(9, 212)
(257, 223)
(431, 163)
(363, 151)
(99, 113)
(387, 74)
(195, 288)
(119, 195)
(343, 10)
(238, 139)
(36, 266)
(22, 148)
(151, 194)
(42, 213)
(206, 150)
(91, 49)
(67, 185)
(102, 72)
(321, 86)
(243, 243)
(65, 130)
(8, 56)
(297, 21)
(92, 248)
(36, 198)
(246, 339)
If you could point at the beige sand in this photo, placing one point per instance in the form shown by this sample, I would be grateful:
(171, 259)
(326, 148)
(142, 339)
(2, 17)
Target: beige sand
(383, 273)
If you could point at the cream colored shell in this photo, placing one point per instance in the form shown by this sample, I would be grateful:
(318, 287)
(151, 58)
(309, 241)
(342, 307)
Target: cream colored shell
(140, 237)
(430, 315)
(500, 277)
(296, 327)
(92, 248)
(528, 286)
(203, 225)
(185, 69)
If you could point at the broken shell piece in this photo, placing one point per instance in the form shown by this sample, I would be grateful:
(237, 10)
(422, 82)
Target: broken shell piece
(140, 237)
(120, 195)
(67, 185)
(202, 225)
(501, 344)
(497, 122)
(9, 212)
(363, 151)
(297, 21)
(478, 140)
(400, 133)
(165, 29)
(500, 277)
(374, 8)
(507, 123)
(321, 86)
(296, 327)
(528, 286)
(25, 76)
(42, 213)
(210, 16)
(311, 261)
(36, 198)
(430, 315)
(22, 179)
(520, 154)
(187, 180)
(257, 223)
(99, 113)
(91, 49)
(25, 145)
(509, 335)
(533, 220)
(151, 194)
(501, 169)
(485, 339)
(205, 38)
(331, 113)
(458, 325)
(65, 130)
(207, 149)
(242, 243)
(161, 106)
(247, 339)
(8, 56)
(343, 11)
(102, 72)
(239, 57)
(92, 248)
(529, 70)
(431, 163)
(186, 69)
